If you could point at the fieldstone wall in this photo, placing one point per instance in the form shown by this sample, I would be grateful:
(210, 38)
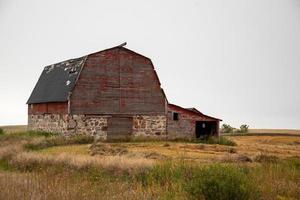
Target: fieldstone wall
(148, 126)
(143, 126)
(70, 124)
(48, 122)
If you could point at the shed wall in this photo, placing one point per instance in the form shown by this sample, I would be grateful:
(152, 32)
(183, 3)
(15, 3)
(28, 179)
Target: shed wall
(185, 126)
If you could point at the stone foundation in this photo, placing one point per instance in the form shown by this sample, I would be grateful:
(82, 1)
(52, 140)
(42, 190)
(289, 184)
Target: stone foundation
(150, 126)
(68, 125)
(143, 126)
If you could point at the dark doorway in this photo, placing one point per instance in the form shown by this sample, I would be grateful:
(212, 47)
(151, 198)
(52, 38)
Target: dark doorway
(119, 128)
(205, 129)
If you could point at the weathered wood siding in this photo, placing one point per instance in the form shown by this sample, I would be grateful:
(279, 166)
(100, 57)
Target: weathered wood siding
(117, 81)
(43, 108)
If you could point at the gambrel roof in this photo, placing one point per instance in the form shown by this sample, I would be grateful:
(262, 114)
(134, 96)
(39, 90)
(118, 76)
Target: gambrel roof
(56, 81)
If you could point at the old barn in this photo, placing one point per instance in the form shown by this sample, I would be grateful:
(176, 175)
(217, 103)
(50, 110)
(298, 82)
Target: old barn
(113, 93)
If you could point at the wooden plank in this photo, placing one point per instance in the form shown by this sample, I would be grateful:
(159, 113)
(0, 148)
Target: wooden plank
(119, 127)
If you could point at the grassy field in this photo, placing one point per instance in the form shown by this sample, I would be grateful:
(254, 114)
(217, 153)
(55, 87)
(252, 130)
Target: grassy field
(36, 165)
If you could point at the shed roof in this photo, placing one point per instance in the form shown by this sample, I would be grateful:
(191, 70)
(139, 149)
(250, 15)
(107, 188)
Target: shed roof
(56, 81)
(192, 111)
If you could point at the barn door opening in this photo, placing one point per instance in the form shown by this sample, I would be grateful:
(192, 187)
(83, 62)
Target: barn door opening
(119, 128)
(204, 129)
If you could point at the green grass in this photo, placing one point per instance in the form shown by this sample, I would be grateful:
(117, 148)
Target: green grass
(1, 131)
(25, 135)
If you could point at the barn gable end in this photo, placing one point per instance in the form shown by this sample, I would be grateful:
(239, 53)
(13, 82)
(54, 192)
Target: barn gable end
(117, 81)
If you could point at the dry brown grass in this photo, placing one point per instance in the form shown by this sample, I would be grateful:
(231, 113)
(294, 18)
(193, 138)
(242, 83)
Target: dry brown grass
(115, 163)
(281, 146)
(250, 146)
(8, 151)
(65, 172)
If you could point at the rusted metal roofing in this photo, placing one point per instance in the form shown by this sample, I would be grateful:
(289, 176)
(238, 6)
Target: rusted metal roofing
(56, 81)
(193, 111)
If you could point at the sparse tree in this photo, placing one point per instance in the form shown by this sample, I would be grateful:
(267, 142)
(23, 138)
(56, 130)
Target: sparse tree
(244, 128)
(226, 128)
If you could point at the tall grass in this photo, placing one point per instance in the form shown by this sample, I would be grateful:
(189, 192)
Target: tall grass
(167, 180)
(50, 185)
(225, 181)
(213, 182)
(218, 182)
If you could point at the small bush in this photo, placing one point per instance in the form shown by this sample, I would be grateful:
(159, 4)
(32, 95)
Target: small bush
(217, 182)
(216, 140)
(1, 131)
(59, 141)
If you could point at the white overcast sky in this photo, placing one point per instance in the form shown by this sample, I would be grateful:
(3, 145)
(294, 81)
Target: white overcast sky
(233, 59)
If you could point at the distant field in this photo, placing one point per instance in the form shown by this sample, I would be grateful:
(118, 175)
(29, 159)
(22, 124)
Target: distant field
(280, 131)
(14, 128)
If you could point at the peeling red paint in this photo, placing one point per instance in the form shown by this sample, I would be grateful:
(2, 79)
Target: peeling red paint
(43, 108)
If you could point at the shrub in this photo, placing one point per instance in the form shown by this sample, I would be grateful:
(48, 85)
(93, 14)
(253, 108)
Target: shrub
(40, 134)
(218, 182)
(226, 128)
(5, 165)
(59, 141)
(1, 131)
(244, 128)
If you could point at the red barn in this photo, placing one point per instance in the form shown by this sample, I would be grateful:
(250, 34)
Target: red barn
(114, 93)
